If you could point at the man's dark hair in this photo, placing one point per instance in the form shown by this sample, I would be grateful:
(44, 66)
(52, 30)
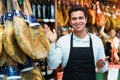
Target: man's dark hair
(76, 8)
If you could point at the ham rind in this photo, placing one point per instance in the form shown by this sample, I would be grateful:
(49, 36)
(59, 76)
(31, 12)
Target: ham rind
(10, 44)
(41, 43)
(40, 40)
(28, 38)
(2, 10)
(9, 41)
(8, 37)
(24, 37)
(22, 32)
(2, 7)
(1, 36)
(3, 57)
(44, 39)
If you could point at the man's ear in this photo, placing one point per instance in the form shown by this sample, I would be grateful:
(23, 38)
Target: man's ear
(69, 23)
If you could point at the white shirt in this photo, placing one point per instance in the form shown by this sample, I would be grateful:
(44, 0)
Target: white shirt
(59, 52)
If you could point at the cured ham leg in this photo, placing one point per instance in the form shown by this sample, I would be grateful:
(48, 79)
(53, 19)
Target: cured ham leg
(2, 10)
(3, 57)
(22, 32)
(40, 40)
(10, 44)
(100, 17)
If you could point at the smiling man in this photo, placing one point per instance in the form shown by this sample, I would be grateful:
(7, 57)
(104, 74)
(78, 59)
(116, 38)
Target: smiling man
(80, 52)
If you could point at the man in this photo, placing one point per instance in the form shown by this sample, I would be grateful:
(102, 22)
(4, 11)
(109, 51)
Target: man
(80, 52)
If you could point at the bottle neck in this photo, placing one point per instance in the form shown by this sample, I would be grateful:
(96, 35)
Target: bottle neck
(43, 1)
(50, 1)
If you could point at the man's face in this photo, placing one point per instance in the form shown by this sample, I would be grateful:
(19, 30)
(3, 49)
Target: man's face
(78, 21)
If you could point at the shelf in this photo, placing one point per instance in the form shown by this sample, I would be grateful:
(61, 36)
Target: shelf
(46, 20)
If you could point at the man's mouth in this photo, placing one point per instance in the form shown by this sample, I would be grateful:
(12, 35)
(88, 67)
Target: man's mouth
(77, 25)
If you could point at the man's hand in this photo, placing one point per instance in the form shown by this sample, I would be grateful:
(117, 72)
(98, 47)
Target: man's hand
(52, 36)
(100, 63)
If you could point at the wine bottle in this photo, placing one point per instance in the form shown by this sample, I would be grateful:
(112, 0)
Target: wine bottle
(52, 11)
(34, 8)
(39, 9)
(43, 9)
(48, 9)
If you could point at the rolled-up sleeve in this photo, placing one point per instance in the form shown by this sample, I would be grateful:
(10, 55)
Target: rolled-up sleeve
(54, 56)
(101, 55)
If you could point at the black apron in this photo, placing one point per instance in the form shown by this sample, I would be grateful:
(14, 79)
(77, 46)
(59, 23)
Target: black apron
(80, 64)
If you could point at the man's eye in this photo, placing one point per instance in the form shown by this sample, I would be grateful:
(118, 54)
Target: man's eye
(81, 17)
(75, 18)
